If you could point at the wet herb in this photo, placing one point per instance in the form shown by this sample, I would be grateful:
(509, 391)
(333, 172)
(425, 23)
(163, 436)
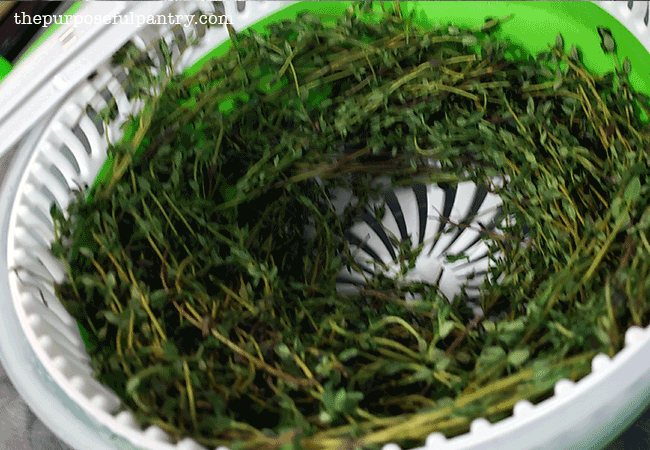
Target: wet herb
(204, 268)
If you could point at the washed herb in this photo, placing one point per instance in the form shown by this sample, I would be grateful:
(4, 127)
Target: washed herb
(204, 266)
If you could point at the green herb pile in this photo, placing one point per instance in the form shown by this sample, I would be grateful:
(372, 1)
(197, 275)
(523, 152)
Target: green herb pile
(204, 267)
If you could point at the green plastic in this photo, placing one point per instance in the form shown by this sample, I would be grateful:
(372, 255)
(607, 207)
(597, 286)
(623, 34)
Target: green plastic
(5, 68)
(533, 26)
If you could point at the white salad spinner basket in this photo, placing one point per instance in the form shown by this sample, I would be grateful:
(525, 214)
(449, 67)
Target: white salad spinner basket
(49, 127)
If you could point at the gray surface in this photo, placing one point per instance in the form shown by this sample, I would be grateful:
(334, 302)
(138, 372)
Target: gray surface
(19, 427)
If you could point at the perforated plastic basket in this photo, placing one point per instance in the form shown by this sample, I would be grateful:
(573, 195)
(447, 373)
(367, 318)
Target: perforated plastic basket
(50, 129)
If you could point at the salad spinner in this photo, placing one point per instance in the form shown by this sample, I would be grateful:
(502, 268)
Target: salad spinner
(53, 143)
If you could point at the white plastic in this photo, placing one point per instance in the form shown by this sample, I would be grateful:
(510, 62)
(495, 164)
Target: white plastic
(58, 66)
(427, 217)
(40, 346)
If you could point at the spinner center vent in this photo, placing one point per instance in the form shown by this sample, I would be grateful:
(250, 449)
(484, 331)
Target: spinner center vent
(433, 234)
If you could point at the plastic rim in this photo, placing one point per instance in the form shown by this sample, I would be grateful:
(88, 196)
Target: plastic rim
(604, 380)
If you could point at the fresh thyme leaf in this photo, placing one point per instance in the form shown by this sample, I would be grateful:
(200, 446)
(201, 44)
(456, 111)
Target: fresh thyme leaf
(607, 41)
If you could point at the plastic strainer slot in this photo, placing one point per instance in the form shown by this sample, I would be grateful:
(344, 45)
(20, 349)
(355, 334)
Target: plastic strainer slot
(427, 218)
